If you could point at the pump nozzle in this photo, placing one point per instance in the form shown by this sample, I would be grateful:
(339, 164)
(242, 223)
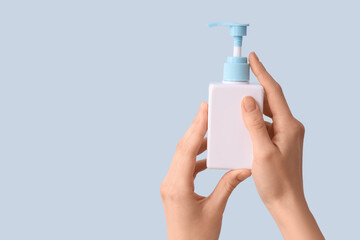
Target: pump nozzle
(236, 69)
(237, 31)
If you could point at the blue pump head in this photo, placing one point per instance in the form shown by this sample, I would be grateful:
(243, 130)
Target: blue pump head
(236, 69)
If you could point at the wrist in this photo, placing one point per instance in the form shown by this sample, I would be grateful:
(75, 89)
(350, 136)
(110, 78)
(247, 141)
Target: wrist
(288, 203)
(294, 218)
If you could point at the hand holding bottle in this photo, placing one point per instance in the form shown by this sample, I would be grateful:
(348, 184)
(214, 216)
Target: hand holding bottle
(189, 215)
(277, 164)
(276, 169)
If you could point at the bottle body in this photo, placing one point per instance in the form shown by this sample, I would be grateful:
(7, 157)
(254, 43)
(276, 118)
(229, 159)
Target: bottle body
(229, 144)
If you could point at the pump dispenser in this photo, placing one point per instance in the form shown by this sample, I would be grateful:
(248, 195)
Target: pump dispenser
(236, 68)
(229, 143)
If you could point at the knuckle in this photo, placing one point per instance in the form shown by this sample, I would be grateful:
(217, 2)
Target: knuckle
(263, 73)
(301, 127)
(229, 186)
(168, 193)
(163, 190)
(296, 128)
(172, 195)
(278, 87)
(184, 146)
(275, 89)
(172, 191)
(257, 123)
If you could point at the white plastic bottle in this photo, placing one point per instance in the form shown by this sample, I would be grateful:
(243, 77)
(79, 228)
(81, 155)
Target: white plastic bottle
(229, 145)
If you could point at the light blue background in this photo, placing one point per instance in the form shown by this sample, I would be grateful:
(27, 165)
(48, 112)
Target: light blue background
(94, 96)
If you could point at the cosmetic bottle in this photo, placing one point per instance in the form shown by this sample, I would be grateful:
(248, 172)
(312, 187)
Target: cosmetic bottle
(229, 145)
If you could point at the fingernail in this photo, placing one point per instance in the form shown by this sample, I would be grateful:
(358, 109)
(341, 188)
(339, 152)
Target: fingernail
(242, 176)
(249, 104)
(202, 104)
(201, 110)
(256, 57)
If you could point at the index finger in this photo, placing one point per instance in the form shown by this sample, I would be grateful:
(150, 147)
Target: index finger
(275, 96)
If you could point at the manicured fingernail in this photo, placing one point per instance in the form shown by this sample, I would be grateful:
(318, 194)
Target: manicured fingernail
(249, 104)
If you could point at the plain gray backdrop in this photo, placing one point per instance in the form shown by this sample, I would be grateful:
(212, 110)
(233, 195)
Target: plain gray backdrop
(94, 96)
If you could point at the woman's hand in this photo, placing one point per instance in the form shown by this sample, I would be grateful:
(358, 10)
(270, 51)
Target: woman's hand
(277, 165)
(188, 215)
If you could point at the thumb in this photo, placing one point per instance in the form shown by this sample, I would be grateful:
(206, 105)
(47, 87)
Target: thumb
(226, 185)
(255, 123)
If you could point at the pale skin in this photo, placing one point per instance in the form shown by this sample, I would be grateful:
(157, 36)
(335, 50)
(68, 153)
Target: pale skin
(276, 170)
